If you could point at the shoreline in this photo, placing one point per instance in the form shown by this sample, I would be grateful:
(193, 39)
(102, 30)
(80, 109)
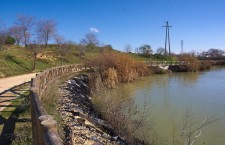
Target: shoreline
(83, 124)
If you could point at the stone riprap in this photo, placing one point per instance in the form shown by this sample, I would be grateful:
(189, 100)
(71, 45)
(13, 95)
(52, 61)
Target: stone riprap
(83, 124)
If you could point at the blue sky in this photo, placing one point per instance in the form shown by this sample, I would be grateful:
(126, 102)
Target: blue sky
(200, 23)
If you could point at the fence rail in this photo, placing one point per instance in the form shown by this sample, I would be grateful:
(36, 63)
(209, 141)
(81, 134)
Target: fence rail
(165, 63)
(44, 127)
(171, 63)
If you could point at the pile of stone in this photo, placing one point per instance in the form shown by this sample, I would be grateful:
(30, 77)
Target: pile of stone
(83, 124)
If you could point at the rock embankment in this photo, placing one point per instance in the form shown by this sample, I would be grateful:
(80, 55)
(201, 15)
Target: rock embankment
(82, 122)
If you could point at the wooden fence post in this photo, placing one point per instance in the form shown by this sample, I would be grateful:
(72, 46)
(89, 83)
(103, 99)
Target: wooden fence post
(40, 128)
(50, 136)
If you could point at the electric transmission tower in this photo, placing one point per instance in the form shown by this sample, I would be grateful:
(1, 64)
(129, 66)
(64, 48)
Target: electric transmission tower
(182, 46)
(167, 36)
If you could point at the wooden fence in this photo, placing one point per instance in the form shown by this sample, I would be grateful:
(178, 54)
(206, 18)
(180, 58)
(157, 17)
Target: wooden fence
(165, 63)
(44, 127)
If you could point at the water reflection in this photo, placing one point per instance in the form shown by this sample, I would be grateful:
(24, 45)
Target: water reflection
(190, 77)
(170, 95)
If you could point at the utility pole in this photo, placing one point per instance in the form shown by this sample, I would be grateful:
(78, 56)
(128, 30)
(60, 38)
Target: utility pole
(167, 36)
(182, 46)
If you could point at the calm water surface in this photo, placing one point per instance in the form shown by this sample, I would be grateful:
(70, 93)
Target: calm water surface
(172, 94)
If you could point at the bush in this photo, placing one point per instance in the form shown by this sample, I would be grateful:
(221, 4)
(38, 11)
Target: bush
(126, 68)
(142, 69)
(10, 40)
(205, 64)
(113, 64)
(110, 78)
(192, 62)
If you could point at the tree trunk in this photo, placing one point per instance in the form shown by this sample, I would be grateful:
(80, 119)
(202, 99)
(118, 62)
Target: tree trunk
(34, 63)
(25, 39)
(46, 42)
(61, 59)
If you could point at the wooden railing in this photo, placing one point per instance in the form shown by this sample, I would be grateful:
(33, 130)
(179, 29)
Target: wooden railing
(44, 127)
(166, 63)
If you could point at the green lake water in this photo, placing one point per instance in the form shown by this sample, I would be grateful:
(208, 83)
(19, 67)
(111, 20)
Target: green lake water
(170, 95)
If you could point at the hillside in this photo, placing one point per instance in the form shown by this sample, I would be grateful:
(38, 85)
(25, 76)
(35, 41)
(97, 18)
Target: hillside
(17, 60)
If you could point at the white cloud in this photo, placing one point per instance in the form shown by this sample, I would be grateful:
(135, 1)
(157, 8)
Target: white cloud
(95, 30)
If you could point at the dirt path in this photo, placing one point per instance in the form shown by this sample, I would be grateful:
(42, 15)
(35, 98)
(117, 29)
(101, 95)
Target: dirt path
(8, 91)
(9, 82)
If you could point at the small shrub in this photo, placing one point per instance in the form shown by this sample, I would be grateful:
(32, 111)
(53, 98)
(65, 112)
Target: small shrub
(126, 68)
(10, 40)
(110, 78)
(142, 69)
(206, 64)
(192, 62)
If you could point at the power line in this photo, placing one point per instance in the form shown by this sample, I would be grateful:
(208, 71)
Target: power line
(167, 36)
(166, 9)
(177, 6)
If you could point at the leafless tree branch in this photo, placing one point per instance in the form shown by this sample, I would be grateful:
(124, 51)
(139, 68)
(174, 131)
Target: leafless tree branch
(25, 23)
(46, 29)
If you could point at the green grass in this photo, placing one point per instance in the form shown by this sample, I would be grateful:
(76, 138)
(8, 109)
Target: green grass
(16, 60)
(138, 57)
(17, 121)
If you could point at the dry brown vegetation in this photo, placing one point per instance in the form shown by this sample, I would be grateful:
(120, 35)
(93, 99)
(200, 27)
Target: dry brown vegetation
(192, 62)
(111, 78)
(205, 64)
(119, 109)
(117, 67)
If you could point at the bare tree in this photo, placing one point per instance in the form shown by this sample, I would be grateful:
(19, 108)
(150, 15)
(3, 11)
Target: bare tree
(160, 51)
(146, 50)
(81, 48)
(64, 49)
(59, 40)
(2, 39)
(90, 39)
(128, 48)
(25, 23)
(16, 32)
(215, 53)
(35, 49)
(2, 35)
(63, 46)
(137, 50)
(46, 29)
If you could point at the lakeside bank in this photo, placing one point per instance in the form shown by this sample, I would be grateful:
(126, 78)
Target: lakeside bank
(82, 123)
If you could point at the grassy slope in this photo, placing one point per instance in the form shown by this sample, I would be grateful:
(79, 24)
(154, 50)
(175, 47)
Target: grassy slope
(16, 60)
